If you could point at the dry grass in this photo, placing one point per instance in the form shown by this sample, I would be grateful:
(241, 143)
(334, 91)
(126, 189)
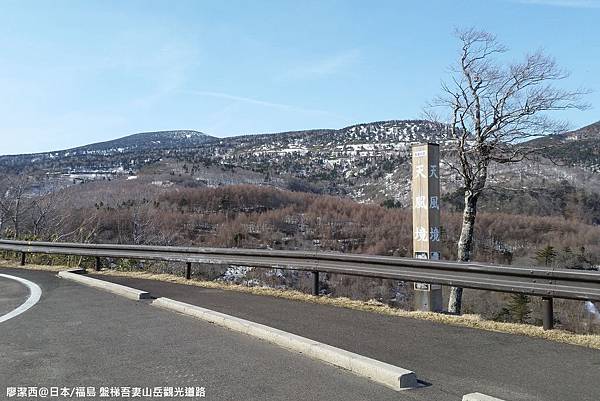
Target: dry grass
(471, 321)
(15, 265)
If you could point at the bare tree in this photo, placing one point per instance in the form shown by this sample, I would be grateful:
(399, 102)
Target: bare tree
(493, 108)
(15, 202)
(3, 204)
(46, 216)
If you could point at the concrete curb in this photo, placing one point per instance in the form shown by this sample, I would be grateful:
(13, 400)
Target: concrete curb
(118, 289)
(76, 270)
(389, 375)
(479, 397)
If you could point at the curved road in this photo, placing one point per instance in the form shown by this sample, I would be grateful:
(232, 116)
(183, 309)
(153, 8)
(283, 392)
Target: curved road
(24, 303)
(12, 295)
(80, 336)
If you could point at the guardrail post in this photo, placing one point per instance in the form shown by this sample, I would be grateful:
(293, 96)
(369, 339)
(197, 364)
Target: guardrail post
(98, 265)
(548, 313)
(188, 271)
(23, 258)
(315, 289)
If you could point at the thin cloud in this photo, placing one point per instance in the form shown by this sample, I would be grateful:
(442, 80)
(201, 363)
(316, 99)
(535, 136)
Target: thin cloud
(248, 100)
(564, 3)
(325, 66)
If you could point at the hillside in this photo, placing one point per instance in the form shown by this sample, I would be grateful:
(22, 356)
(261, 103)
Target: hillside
(367, 162)
(106, 156)
(260, 217)
(147, 140)
(357, 160)
(577, 148)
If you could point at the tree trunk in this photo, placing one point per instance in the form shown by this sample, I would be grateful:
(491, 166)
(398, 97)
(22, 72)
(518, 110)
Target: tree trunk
(16, 217)
(465, 247)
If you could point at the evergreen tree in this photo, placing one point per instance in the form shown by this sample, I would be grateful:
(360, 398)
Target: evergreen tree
(519, 308)
(546, 255)
(391, 203)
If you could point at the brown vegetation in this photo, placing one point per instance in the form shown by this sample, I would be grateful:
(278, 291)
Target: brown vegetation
(266, 217)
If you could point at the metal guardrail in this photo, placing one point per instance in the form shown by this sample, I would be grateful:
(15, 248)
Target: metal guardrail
(538, 281)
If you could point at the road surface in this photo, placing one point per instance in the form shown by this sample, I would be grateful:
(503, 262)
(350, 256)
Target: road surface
(455, 360)
(79, 336)
(12, 295)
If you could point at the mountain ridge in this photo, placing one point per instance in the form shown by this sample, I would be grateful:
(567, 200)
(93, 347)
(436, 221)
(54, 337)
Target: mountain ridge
(177, 134)
(580, 147)
(194, 138)
(366, 161)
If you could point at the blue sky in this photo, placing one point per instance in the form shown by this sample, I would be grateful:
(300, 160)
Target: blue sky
(76, 72)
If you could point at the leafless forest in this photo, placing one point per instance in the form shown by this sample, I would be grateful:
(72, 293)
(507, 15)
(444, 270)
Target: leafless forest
(139, 212)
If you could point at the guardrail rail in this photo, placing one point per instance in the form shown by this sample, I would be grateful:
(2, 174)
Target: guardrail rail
(547, 283)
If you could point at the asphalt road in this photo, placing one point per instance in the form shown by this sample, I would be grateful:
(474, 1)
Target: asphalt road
(12, 294)
(79, 336)
(454, 360)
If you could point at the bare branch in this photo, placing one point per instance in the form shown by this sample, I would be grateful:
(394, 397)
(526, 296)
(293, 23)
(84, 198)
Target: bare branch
(494, 109)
